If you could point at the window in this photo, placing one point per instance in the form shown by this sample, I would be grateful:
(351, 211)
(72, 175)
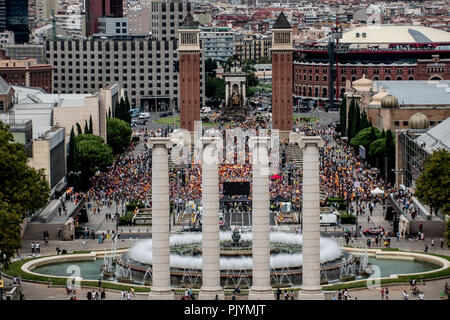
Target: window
(405, 123)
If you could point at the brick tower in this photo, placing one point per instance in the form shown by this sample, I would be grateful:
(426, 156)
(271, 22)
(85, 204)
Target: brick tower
(282, 76)
(189, 78)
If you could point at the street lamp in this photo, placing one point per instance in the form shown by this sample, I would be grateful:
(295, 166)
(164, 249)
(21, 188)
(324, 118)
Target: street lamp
(1, 265)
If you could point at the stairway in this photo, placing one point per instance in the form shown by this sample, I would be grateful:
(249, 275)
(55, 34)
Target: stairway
(143, 217)
(295, 155)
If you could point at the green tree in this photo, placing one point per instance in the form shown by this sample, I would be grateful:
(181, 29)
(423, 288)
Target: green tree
(210, 67)
(93, 155)
(342, 126)
(91, 127)
(433, 185)
(252, 80)
(86, 127)
(22, 190)
(10, 229)
(390, 154)
(119, 135)
(351, 121)
(377, 154)
(79, 131)
(215, 88)
(364, 121)
(365, 137)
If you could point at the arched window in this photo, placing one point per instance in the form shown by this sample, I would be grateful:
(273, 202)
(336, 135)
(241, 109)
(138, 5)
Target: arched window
(310, 77)
(316, 92)
(411, 78)
(376, 78)
(304, 91)
(343, 79)
(317, 78)
(399, 78)
(353, 78)
(324, 92)
(325, 78)
(304, 77)
(310, 91)
(387, 78)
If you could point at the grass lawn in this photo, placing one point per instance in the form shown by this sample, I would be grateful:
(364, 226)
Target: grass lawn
(303, 118)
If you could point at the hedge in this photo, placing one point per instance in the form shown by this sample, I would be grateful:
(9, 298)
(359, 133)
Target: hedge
(132, 205)
(348, 219)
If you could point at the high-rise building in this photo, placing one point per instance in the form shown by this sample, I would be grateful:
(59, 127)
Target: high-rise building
(2, 15)
(100, 9)
(282, 52)
(17, 20)
(166, 16)
(143, 67)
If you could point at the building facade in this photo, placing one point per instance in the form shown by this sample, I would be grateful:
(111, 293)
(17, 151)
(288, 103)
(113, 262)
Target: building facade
(166, 16)
(253, 48)
(143, 68)
(27, 72)
(217, 42)
(96, 9)
(408, 53)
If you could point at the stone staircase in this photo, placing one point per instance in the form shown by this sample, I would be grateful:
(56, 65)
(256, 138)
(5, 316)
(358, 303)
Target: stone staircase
(295, 155)
(143, 217)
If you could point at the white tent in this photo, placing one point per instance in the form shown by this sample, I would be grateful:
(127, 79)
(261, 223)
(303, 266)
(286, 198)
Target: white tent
(377, 191)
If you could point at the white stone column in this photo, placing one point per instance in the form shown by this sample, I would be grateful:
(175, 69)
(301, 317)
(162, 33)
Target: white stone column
(311, 288)
(161, 289)
(210, 221)
(261, 288)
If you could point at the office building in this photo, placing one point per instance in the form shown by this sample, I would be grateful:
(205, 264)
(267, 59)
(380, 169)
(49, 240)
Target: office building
(17, 20)
(143, 68)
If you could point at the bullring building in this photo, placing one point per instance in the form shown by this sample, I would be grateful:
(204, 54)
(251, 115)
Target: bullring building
(382, 52)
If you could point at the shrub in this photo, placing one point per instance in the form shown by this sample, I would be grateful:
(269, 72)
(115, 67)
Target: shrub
(348, 219)
(342, 204)
(132, 205)
(126, 220)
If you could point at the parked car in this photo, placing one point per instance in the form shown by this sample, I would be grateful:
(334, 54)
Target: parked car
(144, 115)
(374, 231)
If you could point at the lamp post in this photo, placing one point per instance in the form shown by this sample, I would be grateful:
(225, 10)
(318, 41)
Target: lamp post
(3, 258)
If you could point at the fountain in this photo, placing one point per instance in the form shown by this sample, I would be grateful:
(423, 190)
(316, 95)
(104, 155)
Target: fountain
(235, 260)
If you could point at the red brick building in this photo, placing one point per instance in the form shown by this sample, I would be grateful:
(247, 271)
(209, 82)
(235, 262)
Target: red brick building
(27, 72)
(189, 78)
(387, 53)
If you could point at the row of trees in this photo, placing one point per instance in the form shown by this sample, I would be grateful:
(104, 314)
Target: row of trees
(88, 153)
(379, 146)
(23, 190)
(123, 110)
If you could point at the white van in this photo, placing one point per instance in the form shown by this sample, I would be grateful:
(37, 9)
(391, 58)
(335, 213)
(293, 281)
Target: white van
(144, 115)
(329, 219)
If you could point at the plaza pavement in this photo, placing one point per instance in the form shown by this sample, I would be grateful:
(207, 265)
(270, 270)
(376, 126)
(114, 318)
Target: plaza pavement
(36, 291)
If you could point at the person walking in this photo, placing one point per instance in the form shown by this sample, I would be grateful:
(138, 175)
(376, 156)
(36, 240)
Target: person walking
(278, 293)
(432, 244)
(33, 247)
(386, 293)
(122, 294)
(382, 293)
(405, 295)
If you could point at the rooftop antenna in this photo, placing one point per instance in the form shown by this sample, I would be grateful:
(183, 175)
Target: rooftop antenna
(53, 24)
